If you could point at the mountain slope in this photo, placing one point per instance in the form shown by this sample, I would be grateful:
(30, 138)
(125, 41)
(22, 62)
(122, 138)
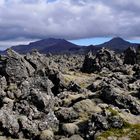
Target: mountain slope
(92, 48)
(116, 44)
(47, 45)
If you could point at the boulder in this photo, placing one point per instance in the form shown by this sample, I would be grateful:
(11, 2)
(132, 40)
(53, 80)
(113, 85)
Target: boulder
(104, 58)
(130, 56)
(47, 135)
(138, 55)
(103, 121)
(86, 106)
(66, 114)
(9, 123)
(17, 68)
(114, 96)
(76, 137)
(3, 82)
(70, 128)
(74, 87)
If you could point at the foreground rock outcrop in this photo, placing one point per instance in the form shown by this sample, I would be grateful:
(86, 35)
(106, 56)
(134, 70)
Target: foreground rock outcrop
(67, 97)
(103, 58)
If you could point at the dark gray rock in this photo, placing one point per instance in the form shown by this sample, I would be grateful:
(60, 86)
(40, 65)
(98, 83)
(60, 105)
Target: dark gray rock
(58, 81)
(130, 56)
(74, 87)
(115, 121)
(9, 123)
(66, 114)
(17, 68)
(138, 55)
(102, 122)
(90, 64)
(111, 96)
(104, 58)
(3, 82)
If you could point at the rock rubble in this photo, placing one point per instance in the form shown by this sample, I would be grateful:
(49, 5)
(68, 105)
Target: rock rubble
(70, 97)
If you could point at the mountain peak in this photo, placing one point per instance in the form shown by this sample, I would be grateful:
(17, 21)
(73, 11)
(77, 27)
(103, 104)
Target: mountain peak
(118, 39)
(47, 45)
(117, 44)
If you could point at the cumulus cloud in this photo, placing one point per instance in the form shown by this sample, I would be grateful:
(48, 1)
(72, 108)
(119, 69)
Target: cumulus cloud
(69, 19)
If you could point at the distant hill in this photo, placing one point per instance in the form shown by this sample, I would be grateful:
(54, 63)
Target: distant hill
(116, 44)
(50, 45)
(92, 48)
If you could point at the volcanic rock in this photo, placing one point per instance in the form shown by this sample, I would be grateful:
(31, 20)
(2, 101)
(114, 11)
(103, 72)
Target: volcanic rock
(104, 58)
(130, 56)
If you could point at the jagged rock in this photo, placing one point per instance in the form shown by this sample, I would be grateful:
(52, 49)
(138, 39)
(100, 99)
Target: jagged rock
(37, 82)
(136, 69)
(104, 58)
(103, 121)
(39, 99)
(2, 93)
(27, 103)
(130, 56)
(90, 65)
(138, 55)
(115, 121)
(3, 82)
(58, 81)
(9, 123)
(74, 87)
(40, 61)
(17, 68)
(66, 114)
(113, 96)
(40, 102)
(29, 128)
(95, 85)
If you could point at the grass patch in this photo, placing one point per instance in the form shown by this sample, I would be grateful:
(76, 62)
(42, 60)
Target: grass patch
(83, 85)
(130, 130)
(12, 87)
(113, 111)
(67, 80)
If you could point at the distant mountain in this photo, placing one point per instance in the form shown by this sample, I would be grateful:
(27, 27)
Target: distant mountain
(116, 44)
(52, 45)
(49, 45)
(92, 48)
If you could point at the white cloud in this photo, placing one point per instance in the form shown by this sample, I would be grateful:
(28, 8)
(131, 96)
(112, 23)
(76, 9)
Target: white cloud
(70, 19)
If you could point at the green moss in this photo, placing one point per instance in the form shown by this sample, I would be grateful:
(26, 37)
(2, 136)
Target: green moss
(82, 85)
(135, 132)
(113, 111)
(130, 130)
(67, 80)
(12, 87)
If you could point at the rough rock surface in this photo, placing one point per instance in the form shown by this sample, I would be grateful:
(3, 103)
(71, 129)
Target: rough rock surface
(138, 55)
(104, 58)
(130, 56)
(48, 97)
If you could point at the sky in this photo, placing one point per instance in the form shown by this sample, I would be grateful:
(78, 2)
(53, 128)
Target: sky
(83, 22)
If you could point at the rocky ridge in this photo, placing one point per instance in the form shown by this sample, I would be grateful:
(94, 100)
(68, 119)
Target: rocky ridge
(70, 97)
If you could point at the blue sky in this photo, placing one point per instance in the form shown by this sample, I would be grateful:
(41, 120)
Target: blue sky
(89, 41)
(84, 22)
(98, 40)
